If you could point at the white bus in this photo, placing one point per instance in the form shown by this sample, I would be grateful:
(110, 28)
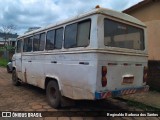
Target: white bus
(95, 55)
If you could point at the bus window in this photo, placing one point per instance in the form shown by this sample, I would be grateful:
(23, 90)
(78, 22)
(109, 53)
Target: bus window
(18, 50)
(36, 42)
(27, 47)
(77, 34)
(50, 40)
(83, 35)
(42, 42)
(58, 38)
(121, 35)
(70, 36)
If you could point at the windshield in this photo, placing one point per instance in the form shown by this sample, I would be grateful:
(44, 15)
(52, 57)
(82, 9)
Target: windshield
(121, 35)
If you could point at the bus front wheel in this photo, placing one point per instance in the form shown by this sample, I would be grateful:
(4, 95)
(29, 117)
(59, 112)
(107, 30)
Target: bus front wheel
(15, 80)
(53, 94)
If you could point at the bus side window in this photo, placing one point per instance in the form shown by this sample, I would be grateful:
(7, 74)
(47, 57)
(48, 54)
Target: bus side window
(70, 36)
(36, 42)
(77, 34)
(27, 46)
(58, 38)
(42, 42)
(18, 48)
(50, 40)
(83, 34)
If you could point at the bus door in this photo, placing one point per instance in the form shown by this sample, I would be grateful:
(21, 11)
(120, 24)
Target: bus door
(27, 61)
(18, 59)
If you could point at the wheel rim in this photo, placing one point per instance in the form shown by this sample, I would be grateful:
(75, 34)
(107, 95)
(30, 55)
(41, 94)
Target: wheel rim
(52, 94)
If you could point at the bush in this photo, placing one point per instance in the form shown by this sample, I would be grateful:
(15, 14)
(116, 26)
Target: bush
(8, 48)
(6, 52)
(3, 62)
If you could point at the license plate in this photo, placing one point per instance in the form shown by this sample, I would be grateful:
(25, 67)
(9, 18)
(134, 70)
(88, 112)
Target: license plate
(128, 80)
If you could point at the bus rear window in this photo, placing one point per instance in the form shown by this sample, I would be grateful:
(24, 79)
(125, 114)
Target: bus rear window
(121, 35)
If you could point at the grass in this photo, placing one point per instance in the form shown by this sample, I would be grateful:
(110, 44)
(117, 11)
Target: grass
(3, 62)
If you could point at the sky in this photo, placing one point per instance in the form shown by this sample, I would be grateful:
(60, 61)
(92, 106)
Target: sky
(39, 13)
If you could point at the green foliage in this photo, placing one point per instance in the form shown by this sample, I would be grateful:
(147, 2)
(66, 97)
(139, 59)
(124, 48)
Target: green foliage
(2, 49)
(3, 62)
(8, 48)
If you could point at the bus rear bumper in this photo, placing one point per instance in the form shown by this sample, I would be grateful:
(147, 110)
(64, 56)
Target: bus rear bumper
(121, 92)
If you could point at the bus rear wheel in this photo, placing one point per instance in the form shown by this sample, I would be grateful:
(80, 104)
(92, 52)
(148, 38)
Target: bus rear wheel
(53, 94)
(15, 80)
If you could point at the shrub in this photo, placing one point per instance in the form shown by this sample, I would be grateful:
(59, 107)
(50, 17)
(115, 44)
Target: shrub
(3, 62)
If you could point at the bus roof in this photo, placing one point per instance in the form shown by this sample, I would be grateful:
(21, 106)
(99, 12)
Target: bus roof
(104, 11)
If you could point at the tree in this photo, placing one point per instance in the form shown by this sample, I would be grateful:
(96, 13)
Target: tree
(7, 30)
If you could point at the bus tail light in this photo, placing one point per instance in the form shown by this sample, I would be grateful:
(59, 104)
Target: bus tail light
(104, 78)
(145, 74)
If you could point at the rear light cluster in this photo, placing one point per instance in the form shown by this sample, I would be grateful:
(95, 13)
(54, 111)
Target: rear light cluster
(145, 74)
(104, 78)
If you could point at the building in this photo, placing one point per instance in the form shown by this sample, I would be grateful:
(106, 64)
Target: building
(10, 39)
(148, 12)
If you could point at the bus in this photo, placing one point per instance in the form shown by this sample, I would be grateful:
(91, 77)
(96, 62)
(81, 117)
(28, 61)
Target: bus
(95, 55)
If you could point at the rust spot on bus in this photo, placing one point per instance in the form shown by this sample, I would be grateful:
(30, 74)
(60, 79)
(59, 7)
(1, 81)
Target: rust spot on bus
(25, 76)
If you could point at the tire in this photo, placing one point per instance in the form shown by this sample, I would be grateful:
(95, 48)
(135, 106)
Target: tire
(53, 94)
(15, 80)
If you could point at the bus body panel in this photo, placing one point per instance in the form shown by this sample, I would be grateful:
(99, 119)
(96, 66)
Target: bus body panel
(79, 74)
(75, 72)
(119, 66)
